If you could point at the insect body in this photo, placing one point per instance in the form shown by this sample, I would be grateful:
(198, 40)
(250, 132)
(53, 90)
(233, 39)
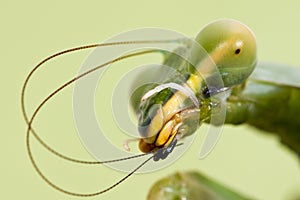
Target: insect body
(174, 108)
(269, 100)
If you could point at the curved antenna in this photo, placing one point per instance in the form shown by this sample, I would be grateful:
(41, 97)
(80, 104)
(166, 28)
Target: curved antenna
(29, 122)
(29, 128)
(82, 194)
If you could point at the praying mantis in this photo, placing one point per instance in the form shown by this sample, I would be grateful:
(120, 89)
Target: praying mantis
(174, 108)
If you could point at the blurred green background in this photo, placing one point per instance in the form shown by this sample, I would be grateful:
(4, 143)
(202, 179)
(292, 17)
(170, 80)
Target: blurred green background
(247, 161)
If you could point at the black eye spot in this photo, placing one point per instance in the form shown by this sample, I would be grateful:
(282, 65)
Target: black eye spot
(237, 51)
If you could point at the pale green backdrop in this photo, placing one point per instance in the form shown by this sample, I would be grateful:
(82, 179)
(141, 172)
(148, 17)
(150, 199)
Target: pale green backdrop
(244, 159)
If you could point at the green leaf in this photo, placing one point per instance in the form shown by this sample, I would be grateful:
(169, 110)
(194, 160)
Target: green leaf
(191, 186)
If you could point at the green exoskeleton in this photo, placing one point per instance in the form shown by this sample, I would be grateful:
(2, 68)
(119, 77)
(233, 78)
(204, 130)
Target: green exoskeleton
(232, 48)
(175, 108)
(269, 100)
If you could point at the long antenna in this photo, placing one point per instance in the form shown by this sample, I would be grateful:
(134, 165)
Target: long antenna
(29, 122)
(44, 144)
(29, 128)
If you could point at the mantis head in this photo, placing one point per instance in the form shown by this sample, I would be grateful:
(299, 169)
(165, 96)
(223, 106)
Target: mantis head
(232, 47)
